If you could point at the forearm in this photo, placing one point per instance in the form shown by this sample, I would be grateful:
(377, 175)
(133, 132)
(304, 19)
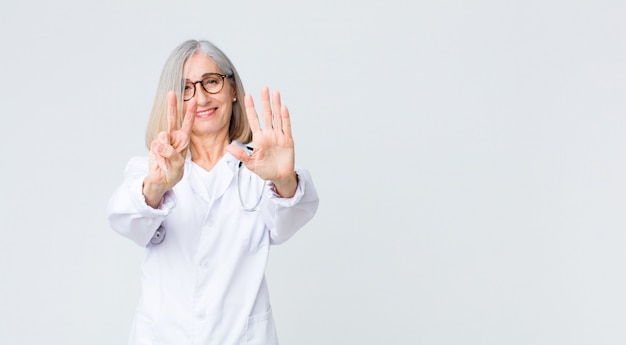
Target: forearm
(130, 216)
(128, 211)
(285, 216)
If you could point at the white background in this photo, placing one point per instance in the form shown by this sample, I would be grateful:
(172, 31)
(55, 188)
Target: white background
(470, 157)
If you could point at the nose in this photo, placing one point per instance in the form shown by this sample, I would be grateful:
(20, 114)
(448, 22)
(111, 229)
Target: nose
(201, 95)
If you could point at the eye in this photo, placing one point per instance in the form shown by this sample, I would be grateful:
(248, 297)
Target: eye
(211, 80)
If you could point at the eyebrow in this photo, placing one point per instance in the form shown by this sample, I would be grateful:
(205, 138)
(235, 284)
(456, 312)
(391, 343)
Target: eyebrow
(204, 75)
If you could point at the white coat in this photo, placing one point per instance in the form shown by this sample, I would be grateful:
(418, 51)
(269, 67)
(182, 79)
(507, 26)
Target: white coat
(205, 282)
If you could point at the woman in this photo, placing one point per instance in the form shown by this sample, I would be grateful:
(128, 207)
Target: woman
(206, 207)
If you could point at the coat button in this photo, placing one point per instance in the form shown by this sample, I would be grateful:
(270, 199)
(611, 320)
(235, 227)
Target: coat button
(158, 236)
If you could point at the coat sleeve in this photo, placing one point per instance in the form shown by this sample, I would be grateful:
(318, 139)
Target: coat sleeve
(127, 211)
(285, 216)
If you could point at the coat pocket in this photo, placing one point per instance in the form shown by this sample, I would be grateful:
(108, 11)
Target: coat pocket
(260, 329)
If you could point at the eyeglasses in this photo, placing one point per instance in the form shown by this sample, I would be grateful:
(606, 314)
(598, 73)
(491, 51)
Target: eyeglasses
(211, 83)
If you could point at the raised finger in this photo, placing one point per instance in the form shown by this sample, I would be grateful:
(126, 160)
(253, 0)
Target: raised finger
(277, 108)
(172, 112)
(253, 118)
(285, 120)
(190, 115)
(266, 109)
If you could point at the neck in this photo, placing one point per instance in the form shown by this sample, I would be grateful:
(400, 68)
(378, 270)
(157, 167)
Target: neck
(207, 151)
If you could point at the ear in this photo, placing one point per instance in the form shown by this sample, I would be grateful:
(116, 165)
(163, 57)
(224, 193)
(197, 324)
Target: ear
(233, 94)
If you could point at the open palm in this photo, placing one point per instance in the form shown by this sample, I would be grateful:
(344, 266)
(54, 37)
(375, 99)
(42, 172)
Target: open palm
(273, 156)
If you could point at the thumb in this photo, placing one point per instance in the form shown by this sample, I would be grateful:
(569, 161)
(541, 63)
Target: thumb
(238, 153)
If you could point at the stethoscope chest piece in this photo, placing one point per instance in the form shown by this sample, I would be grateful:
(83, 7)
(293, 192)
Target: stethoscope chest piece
(158, 236)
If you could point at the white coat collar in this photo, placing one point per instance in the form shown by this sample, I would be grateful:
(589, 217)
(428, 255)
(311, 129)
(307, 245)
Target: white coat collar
(211, 185)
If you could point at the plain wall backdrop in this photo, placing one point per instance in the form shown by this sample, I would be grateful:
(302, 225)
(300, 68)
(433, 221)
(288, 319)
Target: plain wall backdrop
(470, 158)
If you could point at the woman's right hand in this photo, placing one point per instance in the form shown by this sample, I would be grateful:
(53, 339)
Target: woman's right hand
(166, 165)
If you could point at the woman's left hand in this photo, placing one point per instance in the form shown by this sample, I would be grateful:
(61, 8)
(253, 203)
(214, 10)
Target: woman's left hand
(273, 156)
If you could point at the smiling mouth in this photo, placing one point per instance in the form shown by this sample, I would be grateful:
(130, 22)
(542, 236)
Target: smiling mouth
(205, 113)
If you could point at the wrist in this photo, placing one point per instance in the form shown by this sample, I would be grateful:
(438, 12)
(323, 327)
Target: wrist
(153, 193)
(286, 188)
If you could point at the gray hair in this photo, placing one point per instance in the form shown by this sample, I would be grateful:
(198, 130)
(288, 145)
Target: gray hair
(172, 80)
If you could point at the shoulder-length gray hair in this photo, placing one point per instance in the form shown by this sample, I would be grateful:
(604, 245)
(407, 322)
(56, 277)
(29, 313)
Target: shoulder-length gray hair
(172, 80)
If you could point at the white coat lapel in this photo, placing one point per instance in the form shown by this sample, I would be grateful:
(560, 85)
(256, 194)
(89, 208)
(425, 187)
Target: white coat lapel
(211, 185)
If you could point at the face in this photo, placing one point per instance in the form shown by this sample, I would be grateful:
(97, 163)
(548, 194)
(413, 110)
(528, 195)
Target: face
(214, 110)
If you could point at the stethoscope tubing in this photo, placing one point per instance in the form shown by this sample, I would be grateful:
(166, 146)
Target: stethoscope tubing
(243, 205)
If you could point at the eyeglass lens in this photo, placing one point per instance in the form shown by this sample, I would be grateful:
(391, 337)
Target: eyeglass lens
(211, 83)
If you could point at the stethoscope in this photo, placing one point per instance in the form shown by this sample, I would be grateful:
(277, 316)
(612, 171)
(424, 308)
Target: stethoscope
(243, 205)
(159, 234)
